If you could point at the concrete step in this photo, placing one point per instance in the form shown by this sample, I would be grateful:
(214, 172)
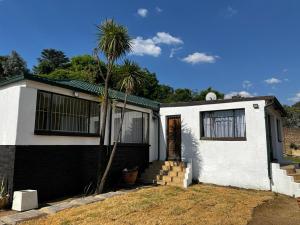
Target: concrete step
(295, 175)
(161, 182)
(297, 180)
(290, 169)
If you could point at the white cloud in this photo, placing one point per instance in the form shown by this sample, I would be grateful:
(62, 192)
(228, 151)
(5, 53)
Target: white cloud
(166, 38)
(273, 80)
(174, 51)
(159, 10)
(199, 57)
(231, 11)
(150, 46)
(142, 12)
(244, 94)
(142, 47)
(247, 84)
(296, 98)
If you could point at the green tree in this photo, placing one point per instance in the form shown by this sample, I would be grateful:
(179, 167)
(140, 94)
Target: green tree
(13, 65)
(164, 93)
(202, 94)
(182, 95)
(2, 60)
(131, 77)
(113, 43)
(50, 60)
(82, 67)
(292, 120)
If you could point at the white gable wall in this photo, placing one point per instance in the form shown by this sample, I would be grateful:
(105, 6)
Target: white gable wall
(235, 163)
(9, 108)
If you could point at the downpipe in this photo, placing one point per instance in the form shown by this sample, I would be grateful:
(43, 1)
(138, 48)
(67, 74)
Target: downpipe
(268, 149)
(157, 116)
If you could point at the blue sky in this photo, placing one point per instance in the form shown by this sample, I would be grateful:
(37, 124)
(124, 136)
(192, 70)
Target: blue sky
(248, 47)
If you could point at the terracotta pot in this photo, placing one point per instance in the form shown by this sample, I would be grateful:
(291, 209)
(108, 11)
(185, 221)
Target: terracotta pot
(129, 177)
(3, 202)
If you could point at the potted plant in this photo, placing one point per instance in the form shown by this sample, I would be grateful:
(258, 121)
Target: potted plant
(130, 175)
(4, 196)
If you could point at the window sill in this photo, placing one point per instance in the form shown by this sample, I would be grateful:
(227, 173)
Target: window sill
(61, 133)
(224, 139)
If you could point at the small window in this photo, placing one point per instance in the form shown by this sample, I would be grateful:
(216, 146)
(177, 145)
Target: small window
(223, 125)
(135, 127)
(279, 130)
(63, 114)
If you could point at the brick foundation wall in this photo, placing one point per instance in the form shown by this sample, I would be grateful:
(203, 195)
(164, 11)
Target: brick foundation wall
(291, 135)
(61, 171)
(7, 159)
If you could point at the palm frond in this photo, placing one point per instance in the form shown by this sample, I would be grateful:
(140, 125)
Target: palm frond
(113, 39)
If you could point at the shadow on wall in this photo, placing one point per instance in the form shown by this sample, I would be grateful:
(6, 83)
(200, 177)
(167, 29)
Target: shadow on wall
(191, 149)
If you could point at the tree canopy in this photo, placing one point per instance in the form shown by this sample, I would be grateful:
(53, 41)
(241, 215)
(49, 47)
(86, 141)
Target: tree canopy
(54, 64)
(12, 65)
(293, 116)
(50, 60)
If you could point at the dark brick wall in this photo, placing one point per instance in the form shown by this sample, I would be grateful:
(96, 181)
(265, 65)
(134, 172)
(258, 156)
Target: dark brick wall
(60, 171)
(7, 157)
(291, 135)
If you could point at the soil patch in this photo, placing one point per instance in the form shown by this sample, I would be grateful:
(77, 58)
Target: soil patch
(281, 210)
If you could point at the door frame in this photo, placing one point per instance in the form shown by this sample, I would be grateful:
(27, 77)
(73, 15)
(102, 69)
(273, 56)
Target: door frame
(167, 134)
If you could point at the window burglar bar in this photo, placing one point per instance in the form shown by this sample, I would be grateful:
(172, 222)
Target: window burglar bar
(64, 114)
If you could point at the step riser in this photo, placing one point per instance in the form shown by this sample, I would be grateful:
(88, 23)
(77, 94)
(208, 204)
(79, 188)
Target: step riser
(165, 173)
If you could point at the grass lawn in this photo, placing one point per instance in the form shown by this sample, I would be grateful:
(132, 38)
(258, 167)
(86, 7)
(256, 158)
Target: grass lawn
(294, 159)
(199, 204)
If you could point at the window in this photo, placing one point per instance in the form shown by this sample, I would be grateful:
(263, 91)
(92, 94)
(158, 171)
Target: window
(62, 114)
(135, 127)
(223, 124)
(279, 131)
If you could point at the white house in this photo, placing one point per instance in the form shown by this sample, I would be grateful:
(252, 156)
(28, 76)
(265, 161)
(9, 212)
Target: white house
(49, 134)
(232, 142)
(49, 138)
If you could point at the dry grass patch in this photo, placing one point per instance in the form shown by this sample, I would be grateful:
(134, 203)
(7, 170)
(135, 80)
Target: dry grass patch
(199, 204)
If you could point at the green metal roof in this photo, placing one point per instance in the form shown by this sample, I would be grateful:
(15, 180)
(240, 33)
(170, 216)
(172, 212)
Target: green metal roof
(81, 86)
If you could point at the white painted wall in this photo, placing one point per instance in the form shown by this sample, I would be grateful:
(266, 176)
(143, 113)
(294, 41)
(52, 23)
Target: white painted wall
(26, 122)
(17, 118)
(282, 183)
(235, 163)
(276, 144)
(9, 108)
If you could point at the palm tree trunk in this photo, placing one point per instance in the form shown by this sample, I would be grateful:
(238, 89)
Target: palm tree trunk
(105, 106)
(104, 177)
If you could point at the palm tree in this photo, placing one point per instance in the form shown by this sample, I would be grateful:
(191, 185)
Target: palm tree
(113, 43)
(132, 76)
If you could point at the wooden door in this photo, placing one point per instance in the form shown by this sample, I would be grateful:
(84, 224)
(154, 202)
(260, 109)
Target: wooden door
(174, 138)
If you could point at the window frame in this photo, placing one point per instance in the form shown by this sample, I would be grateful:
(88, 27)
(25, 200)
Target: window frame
(148, 124)
(202, 137)
(51, 132)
